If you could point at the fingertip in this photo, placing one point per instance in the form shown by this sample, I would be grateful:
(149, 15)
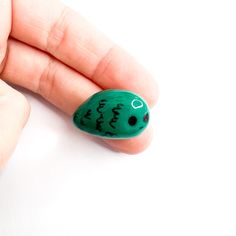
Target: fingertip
(22, 106)
(14, 114)
(14, 102)
(132, 146)
(120, 70)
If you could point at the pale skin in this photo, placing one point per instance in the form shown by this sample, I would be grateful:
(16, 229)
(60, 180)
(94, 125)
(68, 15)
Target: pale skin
(51, 50)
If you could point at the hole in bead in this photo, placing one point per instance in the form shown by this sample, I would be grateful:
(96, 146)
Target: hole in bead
(146, 118)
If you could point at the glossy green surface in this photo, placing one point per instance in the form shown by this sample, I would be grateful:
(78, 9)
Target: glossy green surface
(113, 114)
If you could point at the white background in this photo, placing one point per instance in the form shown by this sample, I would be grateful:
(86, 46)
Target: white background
(59, 183)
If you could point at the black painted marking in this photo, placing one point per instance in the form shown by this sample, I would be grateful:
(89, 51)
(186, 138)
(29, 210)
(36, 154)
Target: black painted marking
(110, 134)
(116, 114)
(88, 114)
(99, 122)
(100, 119)
(101, 104)
(132, 120)
(82, 122)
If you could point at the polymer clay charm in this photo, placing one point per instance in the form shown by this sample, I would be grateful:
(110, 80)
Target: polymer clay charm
(113, 114)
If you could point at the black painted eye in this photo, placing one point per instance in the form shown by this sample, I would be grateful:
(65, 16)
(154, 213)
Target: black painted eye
(132, 120)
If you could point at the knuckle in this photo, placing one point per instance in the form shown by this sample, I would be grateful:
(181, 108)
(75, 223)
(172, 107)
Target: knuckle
(47, 78)
(104, 63)
(58, 31)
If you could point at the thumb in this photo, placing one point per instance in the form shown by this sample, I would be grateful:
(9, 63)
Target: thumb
(14, 112)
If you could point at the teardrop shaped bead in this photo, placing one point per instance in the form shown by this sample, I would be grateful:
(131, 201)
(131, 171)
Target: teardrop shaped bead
(113, 114)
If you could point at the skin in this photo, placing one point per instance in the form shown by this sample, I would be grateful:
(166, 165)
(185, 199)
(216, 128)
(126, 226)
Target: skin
(61, 56)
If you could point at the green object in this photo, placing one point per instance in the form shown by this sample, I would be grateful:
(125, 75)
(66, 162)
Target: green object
(113, 114)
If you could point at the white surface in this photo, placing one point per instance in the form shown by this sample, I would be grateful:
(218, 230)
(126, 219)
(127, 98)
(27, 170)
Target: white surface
(59, 183)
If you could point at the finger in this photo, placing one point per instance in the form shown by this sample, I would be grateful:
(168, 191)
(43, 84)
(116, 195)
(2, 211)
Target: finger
(14, 112)
(5, 26)
(43, 74)
(50, 26)
(59, 84)
(133, 145)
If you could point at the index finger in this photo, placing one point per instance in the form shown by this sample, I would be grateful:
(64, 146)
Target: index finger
(56, 29)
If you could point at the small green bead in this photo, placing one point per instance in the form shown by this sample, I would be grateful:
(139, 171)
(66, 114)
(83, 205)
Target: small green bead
(113, 114)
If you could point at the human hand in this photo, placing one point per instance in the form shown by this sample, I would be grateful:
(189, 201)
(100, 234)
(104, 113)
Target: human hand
(52, 51)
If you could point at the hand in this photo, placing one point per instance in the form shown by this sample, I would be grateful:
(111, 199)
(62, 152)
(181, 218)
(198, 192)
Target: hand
(51, 50)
